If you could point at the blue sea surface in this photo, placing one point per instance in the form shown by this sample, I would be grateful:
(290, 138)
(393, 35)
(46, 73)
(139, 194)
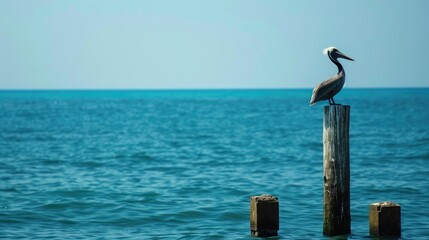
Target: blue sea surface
(183, 164)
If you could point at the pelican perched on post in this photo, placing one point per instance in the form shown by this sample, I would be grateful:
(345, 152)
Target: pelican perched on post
(327, 89)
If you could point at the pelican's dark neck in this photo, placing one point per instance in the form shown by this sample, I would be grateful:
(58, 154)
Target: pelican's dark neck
(336, 62)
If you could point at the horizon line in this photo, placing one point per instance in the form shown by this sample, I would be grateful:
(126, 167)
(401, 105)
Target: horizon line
(195, 89)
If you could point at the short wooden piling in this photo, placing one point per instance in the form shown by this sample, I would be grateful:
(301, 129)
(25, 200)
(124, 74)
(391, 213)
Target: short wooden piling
(264, 216)
(336, 170)
(385, 219)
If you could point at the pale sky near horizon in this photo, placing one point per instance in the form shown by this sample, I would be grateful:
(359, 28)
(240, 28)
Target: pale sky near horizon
(210, 44)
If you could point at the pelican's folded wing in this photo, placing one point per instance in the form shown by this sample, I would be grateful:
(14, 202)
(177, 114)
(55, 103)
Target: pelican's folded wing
(321, 91)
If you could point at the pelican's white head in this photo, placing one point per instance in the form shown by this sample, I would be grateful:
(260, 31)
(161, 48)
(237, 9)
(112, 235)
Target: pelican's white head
(329, 49)
(335, 53)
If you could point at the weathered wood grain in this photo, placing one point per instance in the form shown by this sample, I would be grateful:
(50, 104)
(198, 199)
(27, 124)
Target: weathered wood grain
(336, 170)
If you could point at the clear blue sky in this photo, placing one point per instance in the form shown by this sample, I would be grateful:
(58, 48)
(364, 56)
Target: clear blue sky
(210, 44)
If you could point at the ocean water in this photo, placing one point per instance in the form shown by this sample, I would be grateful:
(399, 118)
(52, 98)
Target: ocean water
(183, 164)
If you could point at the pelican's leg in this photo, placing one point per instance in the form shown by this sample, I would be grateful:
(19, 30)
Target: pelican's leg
(329, 101)
(333, 101)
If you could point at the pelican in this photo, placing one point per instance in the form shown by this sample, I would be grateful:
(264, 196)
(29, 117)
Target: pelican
(327, 89)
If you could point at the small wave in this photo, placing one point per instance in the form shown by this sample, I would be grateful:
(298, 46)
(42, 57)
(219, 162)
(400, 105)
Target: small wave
(74, 193)
(142, 156)
(5, 220)
(11, 190)
(232, 215)
(88, 164)
(52, 162)
(57, 206)
(421, 156)
(67, 221)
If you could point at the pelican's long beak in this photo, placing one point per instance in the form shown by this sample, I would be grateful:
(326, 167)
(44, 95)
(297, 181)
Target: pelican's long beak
(342, 55)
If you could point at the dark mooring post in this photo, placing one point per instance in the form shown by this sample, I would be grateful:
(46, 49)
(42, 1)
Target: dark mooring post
(264, 216)
(336, 170)
(385, 219)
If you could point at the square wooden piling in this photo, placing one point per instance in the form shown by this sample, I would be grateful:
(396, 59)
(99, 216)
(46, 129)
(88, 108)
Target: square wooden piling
(264, 216)
(385, 219)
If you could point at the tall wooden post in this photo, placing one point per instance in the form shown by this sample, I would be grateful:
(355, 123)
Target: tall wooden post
(336, 170)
